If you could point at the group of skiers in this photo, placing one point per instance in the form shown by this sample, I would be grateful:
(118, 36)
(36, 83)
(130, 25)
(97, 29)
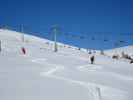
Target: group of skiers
(92, 58)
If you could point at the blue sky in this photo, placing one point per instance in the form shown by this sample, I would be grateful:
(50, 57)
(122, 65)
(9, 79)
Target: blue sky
(74, 16)
(71, 15)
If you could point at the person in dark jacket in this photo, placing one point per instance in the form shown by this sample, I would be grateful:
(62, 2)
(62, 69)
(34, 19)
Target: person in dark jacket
(131, 61)
(92, 59)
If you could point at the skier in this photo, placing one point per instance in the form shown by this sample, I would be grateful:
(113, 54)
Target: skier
(23, 50)
(131, 61)
(92, 58)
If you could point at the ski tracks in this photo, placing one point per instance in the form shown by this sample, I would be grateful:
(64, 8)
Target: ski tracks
(92, 90)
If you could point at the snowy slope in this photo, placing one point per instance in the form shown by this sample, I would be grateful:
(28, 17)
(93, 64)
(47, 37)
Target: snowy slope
(127, 50)
(42, 74)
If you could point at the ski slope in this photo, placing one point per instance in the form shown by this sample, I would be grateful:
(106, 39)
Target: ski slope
(42, 74)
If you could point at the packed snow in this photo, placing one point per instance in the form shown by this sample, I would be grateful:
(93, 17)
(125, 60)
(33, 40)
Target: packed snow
(42, 74)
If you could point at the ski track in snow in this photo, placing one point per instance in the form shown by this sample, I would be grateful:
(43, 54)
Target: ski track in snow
(89, 67)
(92, 68)
(92, 90)
(39, 60)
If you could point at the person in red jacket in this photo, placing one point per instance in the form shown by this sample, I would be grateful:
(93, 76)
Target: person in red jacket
(23, 50)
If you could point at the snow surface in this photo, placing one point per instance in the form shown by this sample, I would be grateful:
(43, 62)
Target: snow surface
(42, 74)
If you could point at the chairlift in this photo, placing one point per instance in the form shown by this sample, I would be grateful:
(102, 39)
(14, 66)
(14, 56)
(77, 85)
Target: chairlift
(73, 35)
(82, 37)
(93, 38)
(116, 44)
(121, 41)
(105, 40)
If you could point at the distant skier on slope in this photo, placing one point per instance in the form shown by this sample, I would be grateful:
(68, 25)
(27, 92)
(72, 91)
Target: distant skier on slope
(23, 50)
(92, 59)
(131, 61)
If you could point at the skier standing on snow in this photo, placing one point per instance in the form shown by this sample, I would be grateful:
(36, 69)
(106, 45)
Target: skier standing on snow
(92, 58)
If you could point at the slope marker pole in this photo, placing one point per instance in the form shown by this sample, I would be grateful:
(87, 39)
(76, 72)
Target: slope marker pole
(22, 32)
(99, 93)
(0, 46)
